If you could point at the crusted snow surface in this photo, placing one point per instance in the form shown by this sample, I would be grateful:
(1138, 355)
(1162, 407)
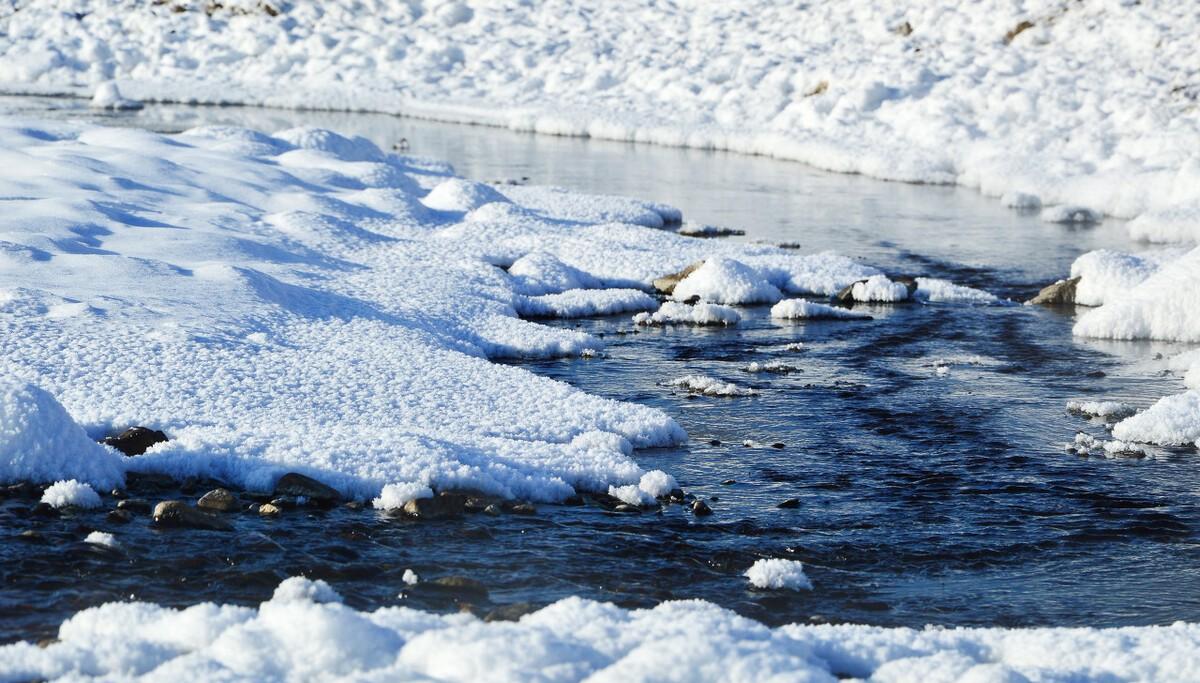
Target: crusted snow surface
(657, 483)
(803, 309)
(1081, 105)
(1114, 410)
(631, 494)
(297, 302)
(726, 281)
(777, 573)
(305, 632)
(577, 303)
(1105, 275)
(675, 313)
(102, 538)
(1162, 306)
(1172, 420)
(709, 386)
(71, 493)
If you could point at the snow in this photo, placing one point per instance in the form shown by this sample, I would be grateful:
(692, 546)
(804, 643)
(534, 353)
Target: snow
(778, 574)
(1162, 306)
(675, 313)
(803, 309)
(410, 578)
(40, 442)
(1090, 107)
(631, 494)
(394, 496)
(879, 288)
(657, 483)
(709, 386)
(943, 291)
(726, 281)
(305, 632)
(1106, 275)
(1106, 409)
(577, 303)
(540, 273)
(1172, 420)
(71, 493)
(108, 96)
(102, 538)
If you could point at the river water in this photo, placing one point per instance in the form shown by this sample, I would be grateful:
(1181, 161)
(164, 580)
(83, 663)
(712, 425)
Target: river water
(925, 447)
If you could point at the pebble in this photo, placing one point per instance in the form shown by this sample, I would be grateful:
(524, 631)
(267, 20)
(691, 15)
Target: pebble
(778, 444)
(523, 509)
(120, 516)
(269, 510)
(728, 482)
(134, 505)
(701, 509)
(176, 513)
(493, 510)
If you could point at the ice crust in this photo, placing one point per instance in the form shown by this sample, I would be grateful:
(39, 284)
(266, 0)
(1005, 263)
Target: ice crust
(305, 633)
(1079, 107)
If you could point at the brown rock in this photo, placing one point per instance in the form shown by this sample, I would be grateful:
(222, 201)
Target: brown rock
(176, 513)
(666, 284)
(269, 510)
(218, 500)
(441, 506)
(701, 509)
(1057, 294)
(298, 485)
(135, 440)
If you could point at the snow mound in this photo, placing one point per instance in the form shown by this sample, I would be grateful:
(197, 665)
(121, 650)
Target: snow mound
(726, 281)
(40, 442)
(1113, 410)
(108, 96)
(708, 386)
(631, 494)
(540, 273)
(803, 309)
(879, 288)
(102, 538)
(675, 313)
(1163, 306)
(305, 633)
(394, 496)
(70, 493)
(778, 574)
(1171, 421)
(457, 194)
(1107, 275)
(657, 483)
(578, 303)
(331, 144)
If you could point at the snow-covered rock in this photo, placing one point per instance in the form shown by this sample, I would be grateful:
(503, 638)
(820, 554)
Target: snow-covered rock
(71, 494)
(778, 574)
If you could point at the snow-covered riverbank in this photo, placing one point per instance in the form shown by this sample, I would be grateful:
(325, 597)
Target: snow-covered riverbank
(1089, 104)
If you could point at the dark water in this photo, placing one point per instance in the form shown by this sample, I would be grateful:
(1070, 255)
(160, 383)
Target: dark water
(925, 497)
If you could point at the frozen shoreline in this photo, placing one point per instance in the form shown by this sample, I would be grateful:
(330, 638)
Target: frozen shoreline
(1082, 106)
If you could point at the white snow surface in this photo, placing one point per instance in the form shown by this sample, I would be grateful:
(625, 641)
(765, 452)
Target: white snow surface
(631, 494)
(657, 483)
(943, 291)
(1086, 105)
(71, 493)
(1171, 421)
(394, 496)
(108, 96)
(726, 281)
(1162, 306)
(305, 633)
(879, 288)
(102, 538)
(803, 309)
(775, 573)
(1105, 409)
(577, 303)
(676, 313)
(291, 302)
(709, 386)
(1105, 275)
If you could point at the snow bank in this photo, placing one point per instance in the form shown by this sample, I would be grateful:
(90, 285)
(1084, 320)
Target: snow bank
(40, 442)
(1106, 275)
(306, 633)
(71, 493)
(726, 281)
(1087, 106)
(1162, 306)
(803, 309)
(578, 303)
(777, 574)
(1171, 421)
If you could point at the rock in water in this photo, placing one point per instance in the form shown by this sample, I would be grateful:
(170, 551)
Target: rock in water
(789, 504)
(441, 506)
(460, 585)
(298, 485)
(135, 440)
(1059, 293)
(269, 510)
(218, 500)
(176, 513)
(701, 509)
(846, 296)
(666, 284)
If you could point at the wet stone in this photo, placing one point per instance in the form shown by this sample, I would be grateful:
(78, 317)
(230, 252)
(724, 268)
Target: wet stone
(32, 536)
(493, 510)
(135, 440)
(666, 284)
(728, 482)
(269, 510)
(300, 486)
(701, 509)
(134, 505)
(574, 500)
(1057, 294)
(789, 504)
(442, 506)
(177, 514)
(120, 516)
(627, 508)
(778, 444)
(459, 585)
(44, 510)
(714, 442)
(218, 500)
(523, 509)
(511, 612)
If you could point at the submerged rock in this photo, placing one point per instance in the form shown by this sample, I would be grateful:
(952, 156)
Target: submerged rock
(300, 486)
(218, 500)
(523, 509)
(846, 296)
(789, 504)
(700, 508)
(1059, 293)
(666, 284)
(511, 612)
(176, 513)
(134, 505)
(120, 516)
(460, 585)
(135, 440)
